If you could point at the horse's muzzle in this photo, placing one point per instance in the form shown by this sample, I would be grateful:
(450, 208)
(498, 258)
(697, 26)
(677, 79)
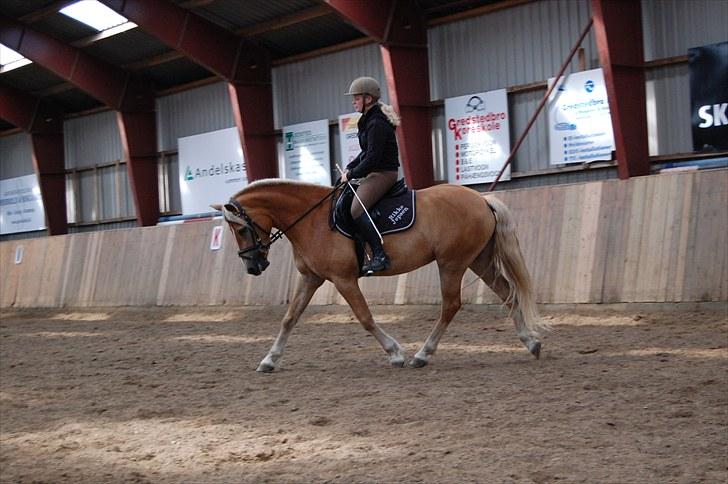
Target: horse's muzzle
(257, 266)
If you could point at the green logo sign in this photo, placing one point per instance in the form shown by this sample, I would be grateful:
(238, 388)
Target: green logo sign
(188, 174)
(289, 141)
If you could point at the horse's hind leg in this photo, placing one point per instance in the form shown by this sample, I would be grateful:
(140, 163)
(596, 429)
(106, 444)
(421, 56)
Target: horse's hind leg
(450, 280)
(351, 292)
(485, 268)
(305, 290)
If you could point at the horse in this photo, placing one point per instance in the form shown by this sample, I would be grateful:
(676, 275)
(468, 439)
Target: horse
(455, 226)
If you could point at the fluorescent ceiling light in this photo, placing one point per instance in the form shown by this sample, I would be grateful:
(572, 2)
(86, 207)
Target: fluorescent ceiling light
(94, 14)
(9, 59)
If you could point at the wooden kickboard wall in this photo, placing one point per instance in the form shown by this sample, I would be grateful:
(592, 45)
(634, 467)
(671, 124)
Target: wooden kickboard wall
(662, 238)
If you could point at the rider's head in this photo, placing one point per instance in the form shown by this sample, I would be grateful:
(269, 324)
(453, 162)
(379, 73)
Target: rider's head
(365, 93)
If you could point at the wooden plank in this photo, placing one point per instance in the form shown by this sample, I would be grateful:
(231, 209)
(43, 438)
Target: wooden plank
(635, 217)
(586, 251)
(653, 237)
(566, 269)
(52, 277)
(31, 274)
(556, 222)
(9, 273)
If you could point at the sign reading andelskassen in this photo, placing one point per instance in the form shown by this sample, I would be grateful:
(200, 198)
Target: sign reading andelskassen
(21, 206)
(709, 96)
(211, 169)
(580, 127)
(478, 141)
(306, 152)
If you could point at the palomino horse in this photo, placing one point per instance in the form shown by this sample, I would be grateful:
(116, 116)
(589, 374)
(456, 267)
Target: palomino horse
(455, 226)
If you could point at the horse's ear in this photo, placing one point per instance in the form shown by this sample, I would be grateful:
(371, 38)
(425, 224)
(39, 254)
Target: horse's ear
(217, 207)
(231, 208)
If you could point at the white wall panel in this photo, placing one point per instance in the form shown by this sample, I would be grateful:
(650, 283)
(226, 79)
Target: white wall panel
(16, 156)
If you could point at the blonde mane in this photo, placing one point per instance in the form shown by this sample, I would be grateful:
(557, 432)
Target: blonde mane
(275, 182)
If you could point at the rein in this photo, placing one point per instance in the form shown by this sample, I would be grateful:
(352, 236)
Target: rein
(252, 225)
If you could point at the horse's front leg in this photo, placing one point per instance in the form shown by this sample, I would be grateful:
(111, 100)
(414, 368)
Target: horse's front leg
(351, 292)
(305, 289)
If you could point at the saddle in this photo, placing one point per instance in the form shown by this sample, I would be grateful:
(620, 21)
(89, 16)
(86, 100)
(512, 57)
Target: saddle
(395, 212)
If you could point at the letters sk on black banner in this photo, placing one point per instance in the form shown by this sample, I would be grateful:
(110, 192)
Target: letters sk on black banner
(709, 96)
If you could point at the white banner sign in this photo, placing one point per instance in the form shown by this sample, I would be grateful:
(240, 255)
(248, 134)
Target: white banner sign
(580, 128)
(478, 141)
(348, 137)
(21, 206)
(211, 169)
(306, 152)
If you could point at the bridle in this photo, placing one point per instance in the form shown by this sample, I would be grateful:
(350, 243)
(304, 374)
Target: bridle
(256, 253)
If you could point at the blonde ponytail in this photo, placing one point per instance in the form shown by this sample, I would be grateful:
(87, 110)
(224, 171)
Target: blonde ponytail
(390, 113)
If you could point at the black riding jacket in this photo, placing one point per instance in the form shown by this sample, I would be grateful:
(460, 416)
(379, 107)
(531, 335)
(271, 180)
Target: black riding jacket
(378, 145)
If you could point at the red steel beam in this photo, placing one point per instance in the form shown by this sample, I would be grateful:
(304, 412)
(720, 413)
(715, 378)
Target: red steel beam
(126, 92)
(45, 125)
(618, 29)
(400, 28)
(245, 65)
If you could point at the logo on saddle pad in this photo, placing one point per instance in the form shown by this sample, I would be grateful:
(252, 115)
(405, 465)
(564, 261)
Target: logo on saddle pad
(397, 214)
(390, 214)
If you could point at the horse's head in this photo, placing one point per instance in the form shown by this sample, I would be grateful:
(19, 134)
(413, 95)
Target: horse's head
(252, 237)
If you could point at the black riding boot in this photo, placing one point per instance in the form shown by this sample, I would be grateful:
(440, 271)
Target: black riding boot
(379, 261)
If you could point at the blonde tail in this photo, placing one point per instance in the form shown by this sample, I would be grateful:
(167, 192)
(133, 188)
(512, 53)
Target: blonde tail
(509, 262)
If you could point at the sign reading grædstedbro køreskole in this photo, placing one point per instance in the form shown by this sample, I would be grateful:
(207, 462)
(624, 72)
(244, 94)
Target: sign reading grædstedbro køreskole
(478, 141)
(580, 127)
(211, 169)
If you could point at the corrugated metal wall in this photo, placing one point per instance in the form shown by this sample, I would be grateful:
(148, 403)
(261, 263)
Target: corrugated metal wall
(192, 112)
(314, 89)
(92, 140)
(515, 46)
(510, 47)
(16, 156)
(671, 27)
(668, 110)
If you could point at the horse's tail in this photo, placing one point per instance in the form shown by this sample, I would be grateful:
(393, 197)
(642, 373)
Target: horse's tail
(509, 263)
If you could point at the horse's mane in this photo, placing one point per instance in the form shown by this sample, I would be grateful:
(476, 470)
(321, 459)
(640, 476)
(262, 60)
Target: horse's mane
(276, 182)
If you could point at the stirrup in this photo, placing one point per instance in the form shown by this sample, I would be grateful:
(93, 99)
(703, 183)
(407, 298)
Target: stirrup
(375, 264)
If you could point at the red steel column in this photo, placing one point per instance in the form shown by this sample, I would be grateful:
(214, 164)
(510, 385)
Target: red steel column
(244, 64)
(130, 95)
(400, 28)
(618, 28)
(45, 125)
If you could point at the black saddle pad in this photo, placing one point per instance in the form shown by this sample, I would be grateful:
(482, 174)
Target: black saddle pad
(393, 213)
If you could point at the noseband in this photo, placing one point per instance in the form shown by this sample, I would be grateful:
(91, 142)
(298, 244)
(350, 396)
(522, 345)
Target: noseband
(255, 250)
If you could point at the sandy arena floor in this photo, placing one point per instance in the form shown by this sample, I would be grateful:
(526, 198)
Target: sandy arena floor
(170, 395)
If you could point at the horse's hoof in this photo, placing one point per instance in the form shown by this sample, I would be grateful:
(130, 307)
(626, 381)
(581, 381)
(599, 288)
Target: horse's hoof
(397, 364)
(417, 362)
(535, 349)
(265, 368)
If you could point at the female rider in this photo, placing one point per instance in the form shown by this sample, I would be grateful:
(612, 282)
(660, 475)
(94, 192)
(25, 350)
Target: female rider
(377, 164)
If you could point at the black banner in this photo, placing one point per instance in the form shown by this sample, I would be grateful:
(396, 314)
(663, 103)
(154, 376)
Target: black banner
(709, 96)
